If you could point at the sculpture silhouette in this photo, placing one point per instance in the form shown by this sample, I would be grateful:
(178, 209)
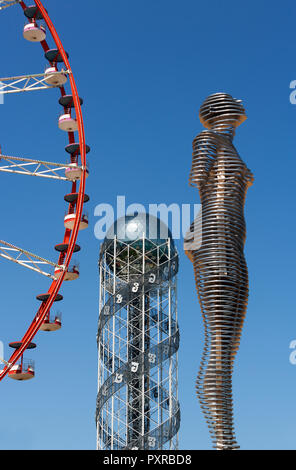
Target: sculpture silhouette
(220, 269)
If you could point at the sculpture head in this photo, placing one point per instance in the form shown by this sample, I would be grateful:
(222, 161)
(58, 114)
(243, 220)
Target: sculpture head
(222, 110)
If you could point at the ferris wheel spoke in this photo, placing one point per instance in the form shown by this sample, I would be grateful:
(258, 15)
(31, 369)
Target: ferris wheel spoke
(31, 167)
(39, 81)
(8, 3)
(4, 362)
(27, 259)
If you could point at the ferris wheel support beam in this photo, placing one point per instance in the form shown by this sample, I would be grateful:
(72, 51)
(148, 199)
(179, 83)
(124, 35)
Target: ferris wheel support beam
(27, 83)
(71, 235)
(8, 3)
(31, 262)
(24, 164)
(5, 362)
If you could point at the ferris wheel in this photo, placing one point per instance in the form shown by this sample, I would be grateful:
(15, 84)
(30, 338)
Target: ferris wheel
(74, 170)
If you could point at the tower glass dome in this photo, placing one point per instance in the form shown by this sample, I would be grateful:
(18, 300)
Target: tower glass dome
(139, 232)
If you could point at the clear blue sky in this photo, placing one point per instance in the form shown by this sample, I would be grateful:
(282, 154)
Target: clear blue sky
(143, 69)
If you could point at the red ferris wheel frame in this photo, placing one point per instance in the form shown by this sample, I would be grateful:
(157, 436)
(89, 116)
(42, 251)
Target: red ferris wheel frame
(70, 236)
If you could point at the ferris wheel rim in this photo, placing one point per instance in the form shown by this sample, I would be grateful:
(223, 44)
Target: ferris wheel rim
(55, 286)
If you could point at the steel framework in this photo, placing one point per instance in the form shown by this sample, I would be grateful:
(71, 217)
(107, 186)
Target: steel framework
(8, 3)
(138, 339)
(26, 83)
(31, 167)
(77, 151)
(26, 259)
(220, 269)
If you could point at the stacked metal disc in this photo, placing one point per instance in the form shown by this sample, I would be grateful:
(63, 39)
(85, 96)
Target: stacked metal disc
(221, 275)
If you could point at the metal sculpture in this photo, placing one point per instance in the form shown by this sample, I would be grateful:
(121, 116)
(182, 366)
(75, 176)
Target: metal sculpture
(220, 269)
(75, 173)
(138, 338)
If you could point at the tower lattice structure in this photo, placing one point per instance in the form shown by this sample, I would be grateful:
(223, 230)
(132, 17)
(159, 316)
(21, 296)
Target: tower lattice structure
(138, 340)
